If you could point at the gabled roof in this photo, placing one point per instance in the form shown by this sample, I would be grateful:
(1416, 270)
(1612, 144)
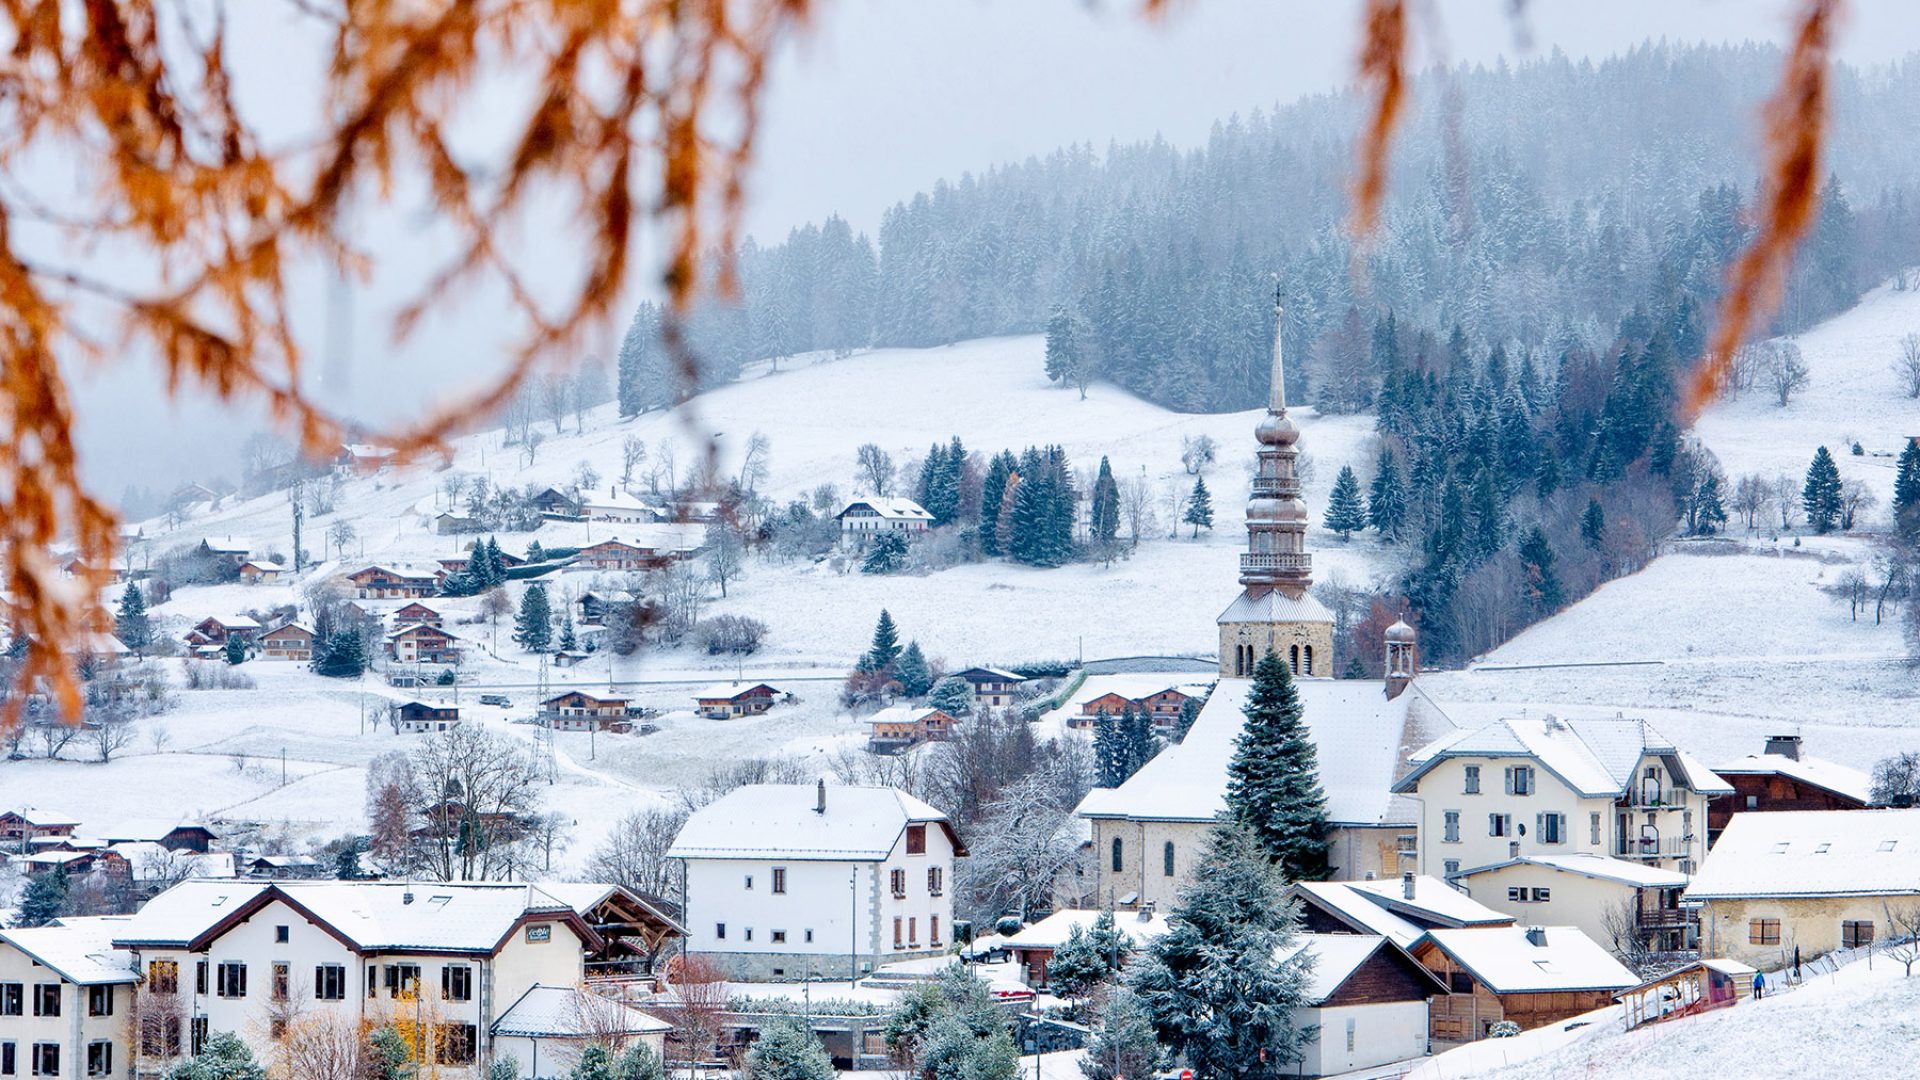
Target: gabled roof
(567, 1012)
(1825, 775)
(990, 674)
(583, 694)
(430, 917)
(778, 821)
(420, 628)
(392, 571)
(1595, 758)
(585, 896)
(730, 691)
(79, 950)
(1053, 931)
(889, 508)
(1275, 606)
(228, 545)
(1337, 956)
(1362, 737)
(904, 714)
(1433, 901)
(1505, 961)
(262, 564)
(149, 828)
(41, 817)
(1813, 853)
(1601, 867)
(230, 622)
(290, 625)
(1357, 910)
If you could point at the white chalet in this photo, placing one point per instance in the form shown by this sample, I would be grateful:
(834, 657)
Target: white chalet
(66, 1000)
(1544, 786)
(789, 880)
(229, 956)
(869, 514)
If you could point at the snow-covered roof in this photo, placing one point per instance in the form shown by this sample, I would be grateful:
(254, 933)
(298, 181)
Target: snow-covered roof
(1275, 606)
(584, 896)
(151, 861)
(100, 643)
(729, 691)
(228, 545)
(1506, 960)
(78, 949)
(263, 564)
(1813, 853)
(1362, 737)
(42, 817)
(433, 916)
(1433, 900)
(889, 508)
(360, 450)
(1586, 864)
(1052, 931)
(991, 673)
(1335, 958)
(146, 828)
(1595, 758)
(1359, 910)
(233, 622)
(1850, 783)
(779, 821)
(1135, 687)
(618, 500)
(405, 572)
(569, 1012)
(291, 624)
(902, 714)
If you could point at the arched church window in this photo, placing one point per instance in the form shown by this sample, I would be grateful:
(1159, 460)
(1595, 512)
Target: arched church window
(1306, 656)
(1293, 658)
(1166, 859)
(1119, 861)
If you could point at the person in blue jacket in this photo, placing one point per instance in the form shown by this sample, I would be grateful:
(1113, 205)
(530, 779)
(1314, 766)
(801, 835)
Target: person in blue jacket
(1759, 986)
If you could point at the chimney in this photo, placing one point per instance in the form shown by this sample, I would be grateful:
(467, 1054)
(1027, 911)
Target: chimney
(820, 798)
(1513, 849)
(1406, 885)
(1787, 746)
(1537, 936)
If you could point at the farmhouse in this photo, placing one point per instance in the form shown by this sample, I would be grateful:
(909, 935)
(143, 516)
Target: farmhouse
(284, 868)
(417, 613)
(617, 505)
(553, 502)
(414, 718)
(868, 515)
(616, 554)
(261, 572)
(422, 644)
(724, 701)
(576, 710)
(898, 726)
(1598, 894)
(288, 641)
(66, 1000)
(1127, 696)
(1805, 882)
(24, 824)
(992, 687)
(1544, 786)
(232, 550)
(786, 880)
(170, 833)
(1368, 998)
(456, 956)
(386, 583)
(215, 630)
(1781, 778)
(1531, 975)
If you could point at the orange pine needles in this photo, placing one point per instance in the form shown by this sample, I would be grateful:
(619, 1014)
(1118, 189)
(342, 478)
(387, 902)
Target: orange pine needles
(638, 107)
(1382, 68)
(1796, 128)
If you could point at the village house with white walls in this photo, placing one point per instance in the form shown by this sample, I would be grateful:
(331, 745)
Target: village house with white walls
(788, 881)
(66, 1000)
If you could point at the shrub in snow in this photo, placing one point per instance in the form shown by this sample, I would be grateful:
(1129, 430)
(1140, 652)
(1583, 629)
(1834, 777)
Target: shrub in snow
(730, 634)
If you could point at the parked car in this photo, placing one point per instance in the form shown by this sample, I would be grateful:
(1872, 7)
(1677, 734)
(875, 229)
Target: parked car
(495, 699)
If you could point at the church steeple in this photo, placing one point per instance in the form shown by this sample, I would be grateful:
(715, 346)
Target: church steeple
(1275, 612)
(1276, 555)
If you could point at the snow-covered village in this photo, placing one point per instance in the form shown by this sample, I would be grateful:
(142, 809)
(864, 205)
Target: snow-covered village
(966, 540)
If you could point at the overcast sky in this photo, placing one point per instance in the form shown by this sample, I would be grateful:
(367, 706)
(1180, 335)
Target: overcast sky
(883, 97)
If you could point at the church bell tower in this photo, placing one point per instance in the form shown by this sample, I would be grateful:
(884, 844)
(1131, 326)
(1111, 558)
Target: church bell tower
(1274, 611)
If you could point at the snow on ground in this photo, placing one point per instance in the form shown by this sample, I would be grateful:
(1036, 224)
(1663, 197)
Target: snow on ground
(1852, 395)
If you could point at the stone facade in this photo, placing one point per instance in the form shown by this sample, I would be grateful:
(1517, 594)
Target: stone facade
(1813, 925)
(1312, 640)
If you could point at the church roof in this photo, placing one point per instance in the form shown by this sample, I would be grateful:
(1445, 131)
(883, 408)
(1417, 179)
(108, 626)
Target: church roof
(1275, 606)
(1361, 737)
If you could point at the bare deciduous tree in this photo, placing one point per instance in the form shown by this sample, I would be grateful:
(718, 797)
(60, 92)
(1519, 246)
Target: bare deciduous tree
(1752, 495)
(1856, 498)
(1781, 369)
(697, 1006)
(474, 792)
(1786, 499)
(326, 1045)
(1025, 839)
(753, 463)
(634, 852)
(1902, 944)
(1136, 506)
(633, 451)
(1906, 366)
(873, 470)
(108, 734)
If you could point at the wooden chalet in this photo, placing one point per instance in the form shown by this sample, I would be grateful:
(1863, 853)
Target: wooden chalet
(261, 572)
(365, 459)
(25, 824)
(725, 701)
(992, 687)
(288, 641)
(457, 564)
(386, 583)
(1781, 778)
(416, 718)
(417, 613)
(284, 868)
(215, 630)
(617, 554)
(900, 726)
(1532, 975)
(172, 835)
(576, 710)
(422, 644)
(553, 502)
(448, 523)
(232, 550)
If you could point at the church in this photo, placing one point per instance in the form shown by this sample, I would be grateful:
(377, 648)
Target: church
(1149, 831)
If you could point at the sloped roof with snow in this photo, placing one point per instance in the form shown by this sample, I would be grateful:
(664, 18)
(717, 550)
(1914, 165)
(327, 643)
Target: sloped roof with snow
(1813, 853)
(902, 714)
(78, 949)
(1335, 958)
(1361, 736)
(1603, 867)
(778, 821)
(1503, 960)
(1359, 910)
(892, 508)
(1275, 606)
(729, 691)
(1053, 931)
(569, 1012)
(1849, 783)
(228, 545)
(1595, 758)
(1433, 900)
(43, 817)
(372, 916)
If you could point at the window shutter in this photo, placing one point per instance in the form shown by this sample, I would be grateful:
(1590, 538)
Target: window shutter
(1508, 771)
(1540, 828)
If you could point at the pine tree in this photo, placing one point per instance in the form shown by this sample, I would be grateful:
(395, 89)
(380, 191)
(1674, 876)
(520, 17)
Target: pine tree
(1124, 1044)
(46, 895)
(595, 1063)
(884, 651)
(236, 650)
(951, 695)
(1541, 585)
(1387, 498)
(533, 627)
(636, 1062)
(1109, 750)
(1062, 349)
(1077, 966)
(1103, 524)
(914, 677)
(1906, 493)
(1593, 525)
(343, 655)
(132, 625)
(569, 639)
(1346, 513)
(886, 554)
(1189, 712)
(535, 553)
(1273, 787)
(788, 1050)
(226, 1057)
(1141, 744)
(1707, 512)
(1487, 517)
(1215, 986)
(388, 1055)
(1820, 495)
(993, 489)
(1199, 507)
